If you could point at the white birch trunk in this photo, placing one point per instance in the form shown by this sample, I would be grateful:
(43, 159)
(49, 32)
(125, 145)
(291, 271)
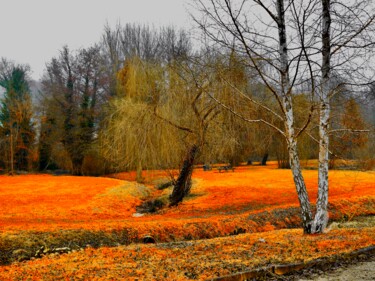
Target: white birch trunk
(295, 166)
(289, 122)
(321, 217)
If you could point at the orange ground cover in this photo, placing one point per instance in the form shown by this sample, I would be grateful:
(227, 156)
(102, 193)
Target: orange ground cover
(198, 260)
(46, 203)
(258, 187)
(252, 199)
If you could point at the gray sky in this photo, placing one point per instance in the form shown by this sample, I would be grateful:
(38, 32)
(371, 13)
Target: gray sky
(32, 31)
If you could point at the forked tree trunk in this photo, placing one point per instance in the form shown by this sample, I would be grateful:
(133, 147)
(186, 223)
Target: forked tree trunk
(299, 182)
(183, 183)
(295, 166)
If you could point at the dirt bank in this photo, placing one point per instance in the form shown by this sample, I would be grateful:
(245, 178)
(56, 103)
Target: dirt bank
(364, 271)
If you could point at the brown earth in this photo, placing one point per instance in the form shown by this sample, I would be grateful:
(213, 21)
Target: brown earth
(364, 271)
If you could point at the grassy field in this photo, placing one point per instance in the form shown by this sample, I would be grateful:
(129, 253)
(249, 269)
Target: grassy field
(94, 219)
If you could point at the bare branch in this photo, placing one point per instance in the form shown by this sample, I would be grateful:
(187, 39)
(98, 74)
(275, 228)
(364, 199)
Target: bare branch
(252, 100)
(349, 130)
(172, 123)
(244, 118)
(358, 32)
(307, 123)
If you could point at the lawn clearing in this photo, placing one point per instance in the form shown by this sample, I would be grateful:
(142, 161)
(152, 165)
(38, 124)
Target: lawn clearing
(47, 203)
(81, 212)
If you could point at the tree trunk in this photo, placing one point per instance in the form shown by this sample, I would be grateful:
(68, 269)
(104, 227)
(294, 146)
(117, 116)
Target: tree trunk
(321, 217)
(21, 157)
(234, 161)
(295, 166)
(264, 159)
(44, 154)
(332, 163)
(299, 182)
(285, 93)
(282, 155)
(139, 177)
(183, 183)
(77, 163)
(11, 154)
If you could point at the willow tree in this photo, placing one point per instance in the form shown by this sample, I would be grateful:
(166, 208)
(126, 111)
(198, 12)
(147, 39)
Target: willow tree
(149, 51)
(234, 140)
(132, 137)
(159, 119)
(194, 113)
(290, 44)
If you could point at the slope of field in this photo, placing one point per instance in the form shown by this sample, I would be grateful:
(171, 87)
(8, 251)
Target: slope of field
(192, 260)
(86, 212)
(46, 203)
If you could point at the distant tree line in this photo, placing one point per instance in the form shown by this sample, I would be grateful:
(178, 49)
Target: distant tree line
(125, 102)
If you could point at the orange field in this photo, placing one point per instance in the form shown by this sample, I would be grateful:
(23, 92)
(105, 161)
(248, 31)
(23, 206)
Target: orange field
(253, 199)
(200, 259)
(45, 202)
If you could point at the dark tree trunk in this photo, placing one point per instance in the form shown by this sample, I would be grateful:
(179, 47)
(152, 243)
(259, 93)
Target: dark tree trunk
(22, 159)
(234, 162)
(282, 156)
(264, 159)
(139, 177)
(44, 154)
(45, 151)
(183, 184)
(77, 163)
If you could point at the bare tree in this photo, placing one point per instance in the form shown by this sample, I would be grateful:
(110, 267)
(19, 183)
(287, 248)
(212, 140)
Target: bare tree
(124, 42)
(73, 86)
(284, 42)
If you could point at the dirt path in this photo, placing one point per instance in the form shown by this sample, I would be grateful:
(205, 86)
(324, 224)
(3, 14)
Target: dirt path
(363, 271)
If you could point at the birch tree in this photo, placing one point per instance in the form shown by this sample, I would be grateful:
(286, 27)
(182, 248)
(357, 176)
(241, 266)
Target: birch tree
(290, 44)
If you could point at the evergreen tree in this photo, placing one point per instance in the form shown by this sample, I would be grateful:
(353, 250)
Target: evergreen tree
(16, 127)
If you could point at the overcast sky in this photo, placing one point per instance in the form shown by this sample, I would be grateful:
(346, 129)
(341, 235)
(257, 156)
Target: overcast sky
(32, 31)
